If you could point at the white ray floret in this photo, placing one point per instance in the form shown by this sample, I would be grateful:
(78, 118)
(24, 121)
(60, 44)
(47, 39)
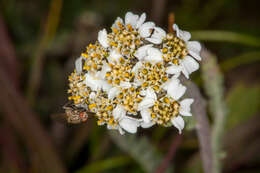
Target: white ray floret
(102, 38)
(188, 63)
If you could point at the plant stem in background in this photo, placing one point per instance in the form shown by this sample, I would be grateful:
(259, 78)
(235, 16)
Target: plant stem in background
(213, 84)
(176, 141)
(199, 109)
(38, 57)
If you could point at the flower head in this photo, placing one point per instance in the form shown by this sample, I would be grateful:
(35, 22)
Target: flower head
(129, 77)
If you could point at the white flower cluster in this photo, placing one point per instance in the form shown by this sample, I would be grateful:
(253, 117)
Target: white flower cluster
(129, 77)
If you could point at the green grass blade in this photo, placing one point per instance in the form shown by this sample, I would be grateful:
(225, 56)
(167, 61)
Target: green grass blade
(226, 36)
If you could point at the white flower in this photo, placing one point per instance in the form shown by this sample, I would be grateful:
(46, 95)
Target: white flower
(131, 19)
(95, 83)
(149, 53)
(184, 35)
(158, 35)
(148, 101)
(125, 85)
(140, 21)
(78, 64)
(147, 125)
(145, 29)
(127, 123)
(113, 92)
(141, 53)
(136, 67)
(174, 88)
(117, 21)
(188, 63)
(185, 109)
(106, 68)
(114, 56)
(102, 38)
(146, 115)
(174, 69)
(154, 55)
(178, 122)
(145, 104)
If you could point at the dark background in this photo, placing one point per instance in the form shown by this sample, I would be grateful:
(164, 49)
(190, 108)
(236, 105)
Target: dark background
(39, 41)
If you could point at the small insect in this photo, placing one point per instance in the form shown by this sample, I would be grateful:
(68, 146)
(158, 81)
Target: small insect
(74, 114)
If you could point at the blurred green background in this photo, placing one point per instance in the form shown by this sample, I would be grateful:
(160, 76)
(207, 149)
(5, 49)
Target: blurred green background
(39, 42)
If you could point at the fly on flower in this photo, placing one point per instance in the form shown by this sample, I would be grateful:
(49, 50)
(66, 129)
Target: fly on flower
(129, 77)
(75, 115)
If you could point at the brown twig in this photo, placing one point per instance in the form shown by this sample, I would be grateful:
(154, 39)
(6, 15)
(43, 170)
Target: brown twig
(176, 141)
(171, 21)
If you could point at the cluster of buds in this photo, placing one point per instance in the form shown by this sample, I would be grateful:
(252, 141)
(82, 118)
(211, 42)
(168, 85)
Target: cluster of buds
(129, 77)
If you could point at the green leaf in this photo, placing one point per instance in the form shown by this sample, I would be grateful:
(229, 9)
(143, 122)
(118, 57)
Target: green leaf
(141, 149)
(243, 59)
(103, 165)
(243, 103)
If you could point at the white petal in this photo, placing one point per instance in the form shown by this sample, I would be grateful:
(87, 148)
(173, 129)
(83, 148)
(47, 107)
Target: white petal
(129, 125)
(175, 89)
(93, 82)
(136, 67)
(178, 122)
(194, 48)
(78, 64)
(150, 94)
(148, 100)
(140, 20)
(189, 65)
(145, 103)
(184, 35)
(154, 40)
(131, 19)
(147, 125)
(185, 107)
(92, 95)
(145, 29)
(113, 92)
(102, 38)
(154, 55)
(114, 56)
(157, 35)
(173, 69)
(141, 53)
(125, 85)
(118, 20)
(121, 131)
(106, 68)
(119, 112)
(146, 115)
(105, 85)
(159, 32)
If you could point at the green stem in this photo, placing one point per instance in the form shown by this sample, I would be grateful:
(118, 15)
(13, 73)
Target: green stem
(213, 84)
